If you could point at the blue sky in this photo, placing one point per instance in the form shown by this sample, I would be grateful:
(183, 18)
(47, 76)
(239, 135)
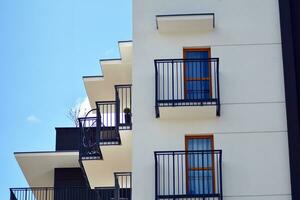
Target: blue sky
(46, 46)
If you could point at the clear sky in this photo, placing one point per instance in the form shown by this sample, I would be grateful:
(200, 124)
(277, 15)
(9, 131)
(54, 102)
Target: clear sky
(46, 46)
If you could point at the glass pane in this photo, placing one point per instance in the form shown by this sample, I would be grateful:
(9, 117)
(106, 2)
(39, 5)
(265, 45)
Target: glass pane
(196, 69)
(198, 89)
(200, 167)
(196, 54)
(200, 182)
(197, 160)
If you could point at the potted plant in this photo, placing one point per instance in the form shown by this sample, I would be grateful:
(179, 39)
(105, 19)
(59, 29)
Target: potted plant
(127, 113)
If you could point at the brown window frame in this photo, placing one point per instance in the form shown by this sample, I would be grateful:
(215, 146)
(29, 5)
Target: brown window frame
(212, 168)
(185, 79)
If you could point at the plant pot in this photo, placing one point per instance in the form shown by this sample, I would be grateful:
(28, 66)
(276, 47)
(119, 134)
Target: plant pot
(127, 118)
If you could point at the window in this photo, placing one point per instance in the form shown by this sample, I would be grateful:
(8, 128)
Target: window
(200, 166)
(197, 73)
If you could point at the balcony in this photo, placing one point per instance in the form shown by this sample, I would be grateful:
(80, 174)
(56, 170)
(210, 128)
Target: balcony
(120, 191)
(105, 142)
(108, 123)
(187, 88)
(103, 128)
(123, 99)
(188, 175)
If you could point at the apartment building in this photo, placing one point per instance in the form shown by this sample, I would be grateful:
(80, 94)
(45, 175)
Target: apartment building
(202, 104)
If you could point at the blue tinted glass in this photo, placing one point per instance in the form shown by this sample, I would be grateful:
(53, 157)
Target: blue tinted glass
(200, 173)
(200, 182)
(198, 89)
(196, 54)
(195, 70)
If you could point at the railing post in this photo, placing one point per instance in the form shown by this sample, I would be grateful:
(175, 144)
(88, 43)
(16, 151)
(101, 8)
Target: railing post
(98, 125)
(173, 82)
(218, 90)
(203, 177)
(26, 193)
(130, 176)
(156, 179)
(80, 139)
(174, 175)
(117, 188)
(12, 195)
(221, 185)
(46, 194)
(117, 114)
(156, 90)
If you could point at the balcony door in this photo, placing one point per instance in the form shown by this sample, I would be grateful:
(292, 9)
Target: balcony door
(200, 177)
(197, 74)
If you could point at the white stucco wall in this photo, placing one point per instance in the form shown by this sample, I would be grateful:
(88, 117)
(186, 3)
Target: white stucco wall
(252, 128)
(116, 158)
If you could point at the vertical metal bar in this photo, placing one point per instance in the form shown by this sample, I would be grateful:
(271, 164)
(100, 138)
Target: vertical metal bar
(110, 112)
(117, 188)
(156, 178)
(198, 171)
(118, 113)
(174, 175)
(168, 81)
(177, 86)
(116, 99)
(218, 90)
(168, 168)
(178, 173)
(98, 127)
(194, 68)
(221, 185)
(164, 174)
(12, 196)
(126, 100)
(130, 90)
(173, 82)
(183, 157)
(203, 175)
(215, 78)
(198, 83)
(130, 185)
(208, 154)
(26, 193)
(156, 89)
(46, 193)
(163, 81)
(202, 86)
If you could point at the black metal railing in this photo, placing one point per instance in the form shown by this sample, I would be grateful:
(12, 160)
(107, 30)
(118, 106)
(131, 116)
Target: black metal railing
(106, 193)
(123, 186)
(187, 82)
(120, 191)
(51, 193)
(123, 99)
(108, 122)
(188, 174)
(89, 137)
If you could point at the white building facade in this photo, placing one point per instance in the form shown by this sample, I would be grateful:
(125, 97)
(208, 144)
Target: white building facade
(251, 130)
